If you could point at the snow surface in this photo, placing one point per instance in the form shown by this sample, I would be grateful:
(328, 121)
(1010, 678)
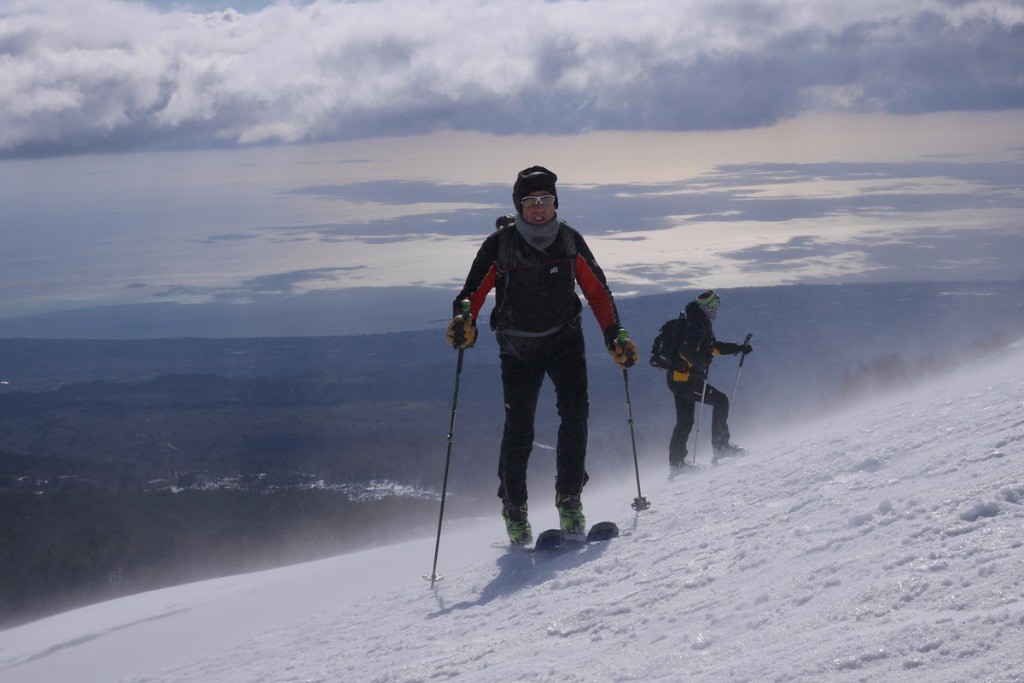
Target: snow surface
(883, 544)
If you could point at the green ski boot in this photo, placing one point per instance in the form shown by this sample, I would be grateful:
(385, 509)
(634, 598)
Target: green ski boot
(570, 515)
(517, 525)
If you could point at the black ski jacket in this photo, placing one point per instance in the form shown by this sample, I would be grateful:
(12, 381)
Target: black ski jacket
(535, 291)
(699, 346)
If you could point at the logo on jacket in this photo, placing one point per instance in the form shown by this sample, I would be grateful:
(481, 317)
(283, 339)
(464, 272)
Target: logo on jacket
(553, 270)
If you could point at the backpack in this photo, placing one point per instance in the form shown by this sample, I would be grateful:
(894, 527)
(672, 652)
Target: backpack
(665, 349)
(516, 343)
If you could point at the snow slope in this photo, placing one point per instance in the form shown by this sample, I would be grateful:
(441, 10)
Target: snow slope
(884, 544)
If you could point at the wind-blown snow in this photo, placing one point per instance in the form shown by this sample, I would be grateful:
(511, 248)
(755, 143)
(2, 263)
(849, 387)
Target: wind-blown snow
(884, 544)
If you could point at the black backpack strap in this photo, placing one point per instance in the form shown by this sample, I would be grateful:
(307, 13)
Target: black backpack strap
(568, 241)
(504, 225)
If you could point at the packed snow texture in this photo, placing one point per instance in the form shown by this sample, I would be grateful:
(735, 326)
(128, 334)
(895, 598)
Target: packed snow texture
(882, 544)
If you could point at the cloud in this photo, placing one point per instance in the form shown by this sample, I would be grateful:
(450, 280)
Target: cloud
(407, 192)
(273, 285)
(109, 75)
(924, 254)
(762, 192)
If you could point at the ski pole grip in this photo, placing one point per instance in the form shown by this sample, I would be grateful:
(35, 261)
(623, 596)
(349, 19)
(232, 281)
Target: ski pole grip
(623, 336)
(750, 335)
(465, 308)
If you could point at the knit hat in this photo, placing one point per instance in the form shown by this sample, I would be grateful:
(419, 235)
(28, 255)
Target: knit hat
(531, 180)
(709, 303)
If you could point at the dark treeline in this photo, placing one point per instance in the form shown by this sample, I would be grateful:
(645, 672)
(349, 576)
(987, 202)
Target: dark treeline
(128, 435)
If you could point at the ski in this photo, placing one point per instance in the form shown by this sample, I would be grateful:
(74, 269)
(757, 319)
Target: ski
(554, 539)
(739, 452)
(683, 470)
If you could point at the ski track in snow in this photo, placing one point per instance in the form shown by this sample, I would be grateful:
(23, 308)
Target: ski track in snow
(885, 544)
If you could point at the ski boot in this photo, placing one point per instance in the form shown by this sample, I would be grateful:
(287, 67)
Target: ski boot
(570, 514)
(517, 525)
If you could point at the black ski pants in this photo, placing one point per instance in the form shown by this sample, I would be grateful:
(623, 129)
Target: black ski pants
(566, 364)
(687, 395)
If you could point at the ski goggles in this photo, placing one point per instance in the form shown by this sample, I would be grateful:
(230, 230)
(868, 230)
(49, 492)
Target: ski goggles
(544, 200)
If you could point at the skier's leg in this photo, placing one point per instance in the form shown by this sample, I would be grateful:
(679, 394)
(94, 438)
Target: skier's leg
(719, 403)
(521, 384)
(568, 372)
(684, 422)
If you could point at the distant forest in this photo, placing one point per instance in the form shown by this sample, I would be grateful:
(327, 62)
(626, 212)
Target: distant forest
(129, 465)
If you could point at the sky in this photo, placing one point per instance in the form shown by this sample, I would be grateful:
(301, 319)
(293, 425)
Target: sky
(198, 153)
(878, 544)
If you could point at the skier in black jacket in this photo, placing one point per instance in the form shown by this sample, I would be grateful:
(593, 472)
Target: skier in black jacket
(689, 383)
(534, 262)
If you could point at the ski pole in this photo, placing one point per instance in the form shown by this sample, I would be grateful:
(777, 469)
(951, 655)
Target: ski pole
(433, 576)
(742, 357)
(700, 414)
(639, 503)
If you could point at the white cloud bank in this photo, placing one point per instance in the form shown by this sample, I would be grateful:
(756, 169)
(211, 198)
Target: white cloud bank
(109, 75)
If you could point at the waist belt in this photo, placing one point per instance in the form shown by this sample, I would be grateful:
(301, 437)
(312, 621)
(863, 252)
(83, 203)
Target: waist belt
(556, 328)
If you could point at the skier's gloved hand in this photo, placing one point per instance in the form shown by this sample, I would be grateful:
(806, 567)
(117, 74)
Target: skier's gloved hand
(745, 349)
(624, 351)
(461, 332)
